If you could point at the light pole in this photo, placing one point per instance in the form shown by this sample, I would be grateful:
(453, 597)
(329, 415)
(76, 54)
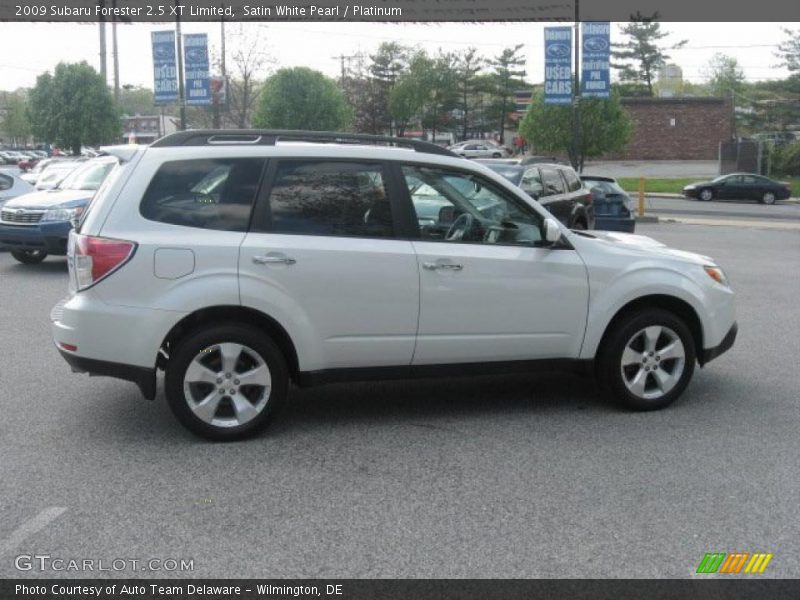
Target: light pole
(181, 92)
(576, 92)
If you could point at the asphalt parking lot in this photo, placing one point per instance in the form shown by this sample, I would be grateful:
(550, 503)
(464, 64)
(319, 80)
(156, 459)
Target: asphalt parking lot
(524, 476)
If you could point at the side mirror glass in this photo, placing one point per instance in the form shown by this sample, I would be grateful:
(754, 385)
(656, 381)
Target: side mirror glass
(552, 232)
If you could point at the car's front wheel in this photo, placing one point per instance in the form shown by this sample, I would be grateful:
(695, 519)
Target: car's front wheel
(29, 257)
(223, 381)
(706, 195)
(646, 362)
(768, 198)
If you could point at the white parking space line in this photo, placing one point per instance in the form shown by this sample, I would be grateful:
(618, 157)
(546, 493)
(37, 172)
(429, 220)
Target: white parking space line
(30, 527)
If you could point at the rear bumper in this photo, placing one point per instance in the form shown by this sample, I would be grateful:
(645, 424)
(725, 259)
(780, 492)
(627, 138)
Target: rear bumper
(143, 377)
(51, 237)
(710, 354)
(604, 223)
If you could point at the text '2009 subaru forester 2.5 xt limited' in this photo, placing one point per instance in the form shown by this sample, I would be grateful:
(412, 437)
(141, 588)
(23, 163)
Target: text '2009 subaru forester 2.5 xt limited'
(240, 262)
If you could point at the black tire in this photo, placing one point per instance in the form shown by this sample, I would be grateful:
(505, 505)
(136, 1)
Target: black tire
(201, 340)
(29, 257)
(706, 195)
(609, 360)
(768, 198)
(497, 155)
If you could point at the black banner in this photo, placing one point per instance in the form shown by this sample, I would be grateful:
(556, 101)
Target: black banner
(394, 10)
(399, 589)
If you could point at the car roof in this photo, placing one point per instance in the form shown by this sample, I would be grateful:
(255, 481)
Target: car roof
(599, 178)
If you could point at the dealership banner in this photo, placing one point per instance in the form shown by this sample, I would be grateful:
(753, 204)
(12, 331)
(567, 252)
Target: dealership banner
(195, 65)
(595, 58)
(165, 72)
(558, 65)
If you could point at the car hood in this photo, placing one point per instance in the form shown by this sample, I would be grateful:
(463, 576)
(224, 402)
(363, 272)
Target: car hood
(698, 184)
(50, 198)
(640, 245)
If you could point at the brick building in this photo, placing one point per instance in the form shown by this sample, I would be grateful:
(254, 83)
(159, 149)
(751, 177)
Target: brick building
(677, 128)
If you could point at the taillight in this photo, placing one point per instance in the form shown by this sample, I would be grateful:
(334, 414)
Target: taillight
(94, 258)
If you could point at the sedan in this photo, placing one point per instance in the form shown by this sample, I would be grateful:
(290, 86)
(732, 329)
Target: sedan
(479, 151)
(739, 186)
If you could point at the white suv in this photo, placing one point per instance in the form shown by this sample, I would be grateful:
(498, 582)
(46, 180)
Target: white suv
(241, 261)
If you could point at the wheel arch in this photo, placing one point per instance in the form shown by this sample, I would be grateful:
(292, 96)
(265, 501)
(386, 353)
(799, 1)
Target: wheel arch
(673, 304)
(232, 313)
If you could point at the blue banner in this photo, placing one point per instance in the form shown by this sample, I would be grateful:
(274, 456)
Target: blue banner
(596, 45)
(165, 73)
(195, 64)
(557, 65)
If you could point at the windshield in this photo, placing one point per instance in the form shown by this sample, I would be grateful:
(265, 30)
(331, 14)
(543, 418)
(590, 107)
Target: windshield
(512, 173)
(720, 178)
(88, 177)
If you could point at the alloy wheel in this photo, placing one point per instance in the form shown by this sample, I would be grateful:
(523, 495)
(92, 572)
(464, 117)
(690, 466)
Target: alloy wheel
(653, 362)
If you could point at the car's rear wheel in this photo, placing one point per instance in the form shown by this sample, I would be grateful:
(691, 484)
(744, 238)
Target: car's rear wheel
(224, 381)
(706, 195)
(768, 198)
(497, 155)
(646, 362)
(29, 257)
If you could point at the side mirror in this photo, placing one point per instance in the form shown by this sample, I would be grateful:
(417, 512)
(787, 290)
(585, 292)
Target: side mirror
(552, 232)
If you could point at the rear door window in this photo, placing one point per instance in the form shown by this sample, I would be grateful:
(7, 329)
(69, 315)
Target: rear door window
(208, 193)
(573, 182)
(552, 182)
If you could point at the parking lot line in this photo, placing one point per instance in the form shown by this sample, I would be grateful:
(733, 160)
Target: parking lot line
(29, 527)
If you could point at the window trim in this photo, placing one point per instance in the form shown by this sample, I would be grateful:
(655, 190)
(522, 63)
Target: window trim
(261, 221)
(414, 232)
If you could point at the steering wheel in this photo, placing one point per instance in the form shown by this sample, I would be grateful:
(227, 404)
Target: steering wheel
(460, 227)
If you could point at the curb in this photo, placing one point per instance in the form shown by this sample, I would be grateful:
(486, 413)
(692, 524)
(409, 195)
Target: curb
(647, 219)
(635, 194)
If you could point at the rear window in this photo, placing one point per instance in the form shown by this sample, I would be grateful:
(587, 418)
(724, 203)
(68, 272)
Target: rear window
(208, 193)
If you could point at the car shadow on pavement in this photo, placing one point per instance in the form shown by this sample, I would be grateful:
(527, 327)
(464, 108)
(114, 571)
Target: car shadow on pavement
(56, 266)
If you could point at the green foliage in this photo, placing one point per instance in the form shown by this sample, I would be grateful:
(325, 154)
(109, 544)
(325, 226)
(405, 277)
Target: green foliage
(301, 98)
(786, 159)
(724, 75)
(468, 68)
(73, 107)
(605, 128)
(508, 72)
(641, 55)
(136, 101)
(16, 122)
(789, 50)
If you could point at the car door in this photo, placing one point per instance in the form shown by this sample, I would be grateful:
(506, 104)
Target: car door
(492, 292)
(556, 198)
(323, 258)
(730, 187)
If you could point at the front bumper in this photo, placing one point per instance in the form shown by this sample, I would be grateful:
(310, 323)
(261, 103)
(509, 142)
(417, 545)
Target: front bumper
(710, 354)
(48, 236)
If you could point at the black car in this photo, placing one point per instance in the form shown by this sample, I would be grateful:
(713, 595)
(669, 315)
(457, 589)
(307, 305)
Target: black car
(557, 187)
(739, 186)
(613, 207)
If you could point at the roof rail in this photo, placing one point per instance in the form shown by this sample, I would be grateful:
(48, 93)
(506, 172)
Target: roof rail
(269, 137)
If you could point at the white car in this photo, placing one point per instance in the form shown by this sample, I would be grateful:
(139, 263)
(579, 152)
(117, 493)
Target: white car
(477, 150)
(11, 186)
(240, 262)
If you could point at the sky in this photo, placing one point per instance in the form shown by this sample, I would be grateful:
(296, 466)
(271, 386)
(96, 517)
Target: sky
(29, 49)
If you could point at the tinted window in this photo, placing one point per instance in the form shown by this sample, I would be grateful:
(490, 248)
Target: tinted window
(553, 184)
(6, 183)
(573, 183)
(211, 194)
(532, 183)
(460, 207)
(330, 198)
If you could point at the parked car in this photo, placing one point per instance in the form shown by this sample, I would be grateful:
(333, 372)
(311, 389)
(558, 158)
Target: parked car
(739, 186)
(613, 207)
(11, 186)
(481, 150)
(239, 268)
(37, 224)
(9, 157)
(28, 163)
(35, 173)
(567, 200)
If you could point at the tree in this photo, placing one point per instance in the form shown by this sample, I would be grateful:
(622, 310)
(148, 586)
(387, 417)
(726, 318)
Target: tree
(250, 64)
(73, 107)
(641, 55)
(136, 101)
(789, 50)
(387, 64)
(605, 128)
(468, 66)
(16, 122)
(508, 71)
(724, 75)
(301, 98)
(366, 96)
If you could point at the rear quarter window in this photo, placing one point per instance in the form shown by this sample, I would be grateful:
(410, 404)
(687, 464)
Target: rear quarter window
(572, 179)
(207, 194)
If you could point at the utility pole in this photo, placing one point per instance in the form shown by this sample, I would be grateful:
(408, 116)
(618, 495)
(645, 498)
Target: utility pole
(115, 52)
(217, 103)
(102, 25)
(181, 92)
(576, 93)
(343, 58)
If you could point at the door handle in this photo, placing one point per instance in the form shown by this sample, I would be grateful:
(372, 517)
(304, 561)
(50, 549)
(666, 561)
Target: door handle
(273, 260)
(435, 266)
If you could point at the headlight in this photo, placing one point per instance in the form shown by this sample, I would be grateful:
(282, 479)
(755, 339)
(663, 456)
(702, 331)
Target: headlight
(62, 214)
(716, 274)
